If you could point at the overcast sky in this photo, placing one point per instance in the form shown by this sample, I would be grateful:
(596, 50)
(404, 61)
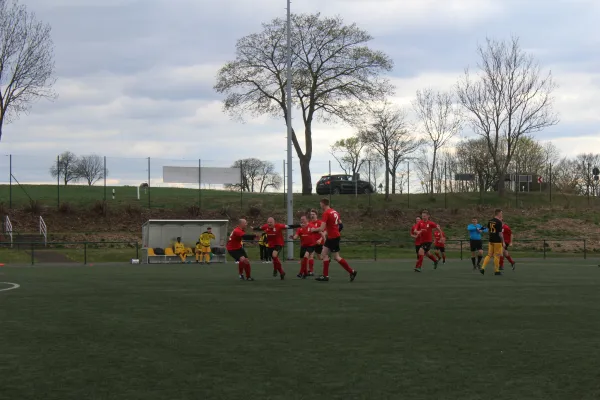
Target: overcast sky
(135, 77)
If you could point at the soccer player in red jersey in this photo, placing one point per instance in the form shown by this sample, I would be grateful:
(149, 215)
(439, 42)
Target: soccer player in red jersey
(440, 246)
(331, 224)
(275, 239)
(236, 249)
(507, 232)
(320, 240)
(425, 230)
(414, 234)
(308, 241)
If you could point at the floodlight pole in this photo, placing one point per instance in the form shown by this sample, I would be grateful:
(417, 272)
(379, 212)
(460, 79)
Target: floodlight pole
(290, 193)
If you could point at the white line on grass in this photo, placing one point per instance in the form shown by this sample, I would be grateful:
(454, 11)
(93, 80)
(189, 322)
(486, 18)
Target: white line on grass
(13, 286)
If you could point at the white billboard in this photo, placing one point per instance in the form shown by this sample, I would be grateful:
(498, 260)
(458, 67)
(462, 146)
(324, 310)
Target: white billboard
(208, 175)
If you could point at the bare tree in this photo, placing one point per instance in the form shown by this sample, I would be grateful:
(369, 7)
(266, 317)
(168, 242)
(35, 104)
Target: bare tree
(510, 98)
(388, 134)
(441, 120)
(349, 154)
(373, 166)
(66, 168)
(90, 168)
(26, 61)
(472, 158)
(268, 177)
(334, 74)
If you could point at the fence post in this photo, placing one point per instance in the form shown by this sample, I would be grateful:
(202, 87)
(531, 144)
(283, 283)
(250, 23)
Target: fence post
(544, 249)
(584, 249)
(461, 250)
(10, 180)
(85, 253)
(137, 251)
(58, 181)
(375, 251)
(32, 254)
(149, 203)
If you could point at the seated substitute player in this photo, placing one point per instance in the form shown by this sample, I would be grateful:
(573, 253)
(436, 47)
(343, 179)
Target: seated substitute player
(417, 236)
(308, 241)
(331, 224)
(440, 246)
(236, 250)
(179, 250)
(275, 239)
(425, 230)
(475, 231)
(198, 251)
(507, 233)
(205, 240)
(496, 242)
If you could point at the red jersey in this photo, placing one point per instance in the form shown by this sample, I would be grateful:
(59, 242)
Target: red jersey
(507, 233)
(413, 231)
(274, 234)
(307, 238)
(316, 235)
(438, 239)
(426, 228)
(235, 239)
(332, 221)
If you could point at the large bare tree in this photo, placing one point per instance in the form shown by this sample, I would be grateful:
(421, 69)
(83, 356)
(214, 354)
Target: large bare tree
(90, 168)
(334, 74)
(349, 154)
(26, 61)
(257, 175)
(388, 133)
(65, 168)
(440, 118)
(509, 98)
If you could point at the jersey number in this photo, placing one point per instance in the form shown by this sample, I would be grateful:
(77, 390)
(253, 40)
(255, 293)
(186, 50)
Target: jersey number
(492, 228)
(337, 218)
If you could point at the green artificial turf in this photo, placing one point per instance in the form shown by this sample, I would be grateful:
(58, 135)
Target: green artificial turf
(196, 332)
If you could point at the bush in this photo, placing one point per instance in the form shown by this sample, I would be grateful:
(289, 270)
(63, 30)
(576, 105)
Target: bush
(34, 207)
(194, 210)
(254, 211)
(100, 208)
(3, 209)
(66, 208)
(133, 211)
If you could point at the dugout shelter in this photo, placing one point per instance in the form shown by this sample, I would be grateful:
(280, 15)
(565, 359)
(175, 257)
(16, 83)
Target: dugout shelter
(159, 235)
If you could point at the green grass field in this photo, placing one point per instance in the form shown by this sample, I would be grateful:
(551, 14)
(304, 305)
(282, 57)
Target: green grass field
(195, 332)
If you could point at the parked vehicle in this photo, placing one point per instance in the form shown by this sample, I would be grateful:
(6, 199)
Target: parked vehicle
(343, 184)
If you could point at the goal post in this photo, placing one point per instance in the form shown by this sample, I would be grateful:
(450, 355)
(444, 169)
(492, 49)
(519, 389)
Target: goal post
(163, 233)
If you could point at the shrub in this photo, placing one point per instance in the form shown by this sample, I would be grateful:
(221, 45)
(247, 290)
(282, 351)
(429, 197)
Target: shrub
(3, 209)
(254, 211)
(66, 208)
(132, 210)
(100, 208)
(194, 210)
(34, 207)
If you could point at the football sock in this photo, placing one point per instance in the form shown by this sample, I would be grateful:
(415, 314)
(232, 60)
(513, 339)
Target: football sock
(345, 265)
(444, 257)
(247, 269)
(479, 259)
(277, 265)
(485, 261)
(432, 258)
(311, 265)
(240, 269)
(510, 260)
(502, 261)
(420, 261)
(326, 268)
(207, 257)
(473, 260)
(496, 264)
(303, 266)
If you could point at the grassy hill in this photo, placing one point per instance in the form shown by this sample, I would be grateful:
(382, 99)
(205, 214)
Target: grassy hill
(80, 214)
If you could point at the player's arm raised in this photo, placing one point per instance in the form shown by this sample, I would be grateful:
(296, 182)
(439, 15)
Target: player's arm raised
(321, 228)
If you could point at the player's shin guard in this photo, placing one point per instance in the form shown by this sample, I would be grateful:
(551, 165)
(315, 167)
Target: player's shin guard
(345, 265)
(326, 268)
(311, 265)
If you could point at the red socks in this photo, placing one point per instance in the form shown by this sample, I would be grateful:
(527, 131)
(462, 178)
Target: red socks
(303, 266)
(432, 258)
(510, 260)
(345, 265)
(444, 256)
(240, 268)
(277, 265)
(311, 265)
(420, 261)
(247, 269)
(326, 268)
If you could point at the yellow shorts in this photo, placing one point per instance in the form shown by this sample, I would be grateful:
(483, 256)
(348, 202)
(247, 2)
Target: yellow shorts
(205, 249)
(495, 249)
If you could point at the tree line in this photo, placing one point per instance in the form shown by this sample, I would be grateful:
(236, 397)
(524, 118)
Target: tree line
(70, 167)
(337, 77)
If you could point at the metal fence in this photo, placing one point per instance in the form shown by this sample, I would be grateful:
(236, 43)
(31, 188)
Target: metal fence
(87, 253)
(140, 181)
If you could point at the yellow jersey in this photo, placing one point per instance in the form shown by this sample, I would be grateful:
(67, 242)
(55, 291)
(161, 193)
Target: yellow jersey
(205, 238)
(179, 247)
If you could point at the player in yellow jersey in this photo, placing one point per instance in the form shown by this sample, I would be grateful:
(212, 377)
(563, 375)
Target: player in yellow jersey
(496, 245)
(205, 239)
(198, 251)
(179, 249)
